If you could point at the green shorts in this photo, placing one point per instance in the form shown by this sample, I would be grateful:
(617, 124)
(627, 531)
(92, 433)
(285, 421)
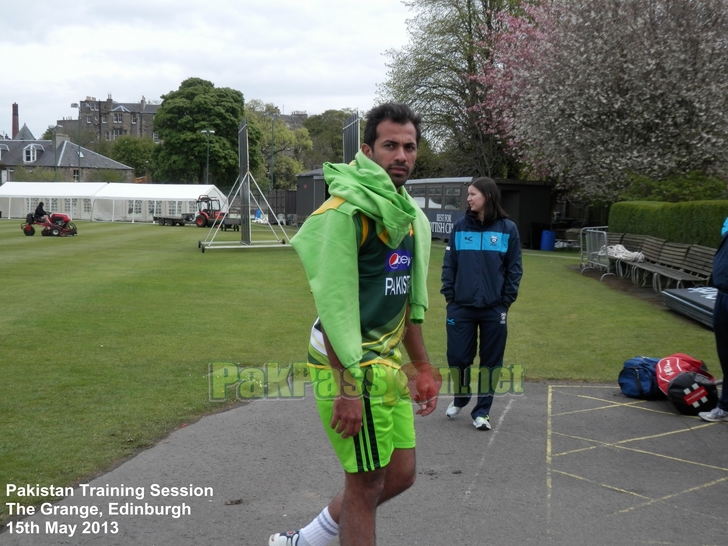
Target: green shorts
(387, 419)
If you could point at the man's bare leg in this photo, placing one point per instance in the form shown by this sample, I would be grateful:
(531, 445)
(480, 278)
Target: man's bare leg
(398, 476)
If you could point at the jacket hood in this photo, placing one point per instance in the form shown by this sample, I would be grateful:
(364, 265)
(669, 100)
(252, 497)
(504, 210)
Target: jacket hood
(366, 185)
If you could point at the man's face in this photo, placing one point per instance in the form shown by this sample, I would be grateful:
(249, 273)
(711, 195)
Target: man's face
(395, 150)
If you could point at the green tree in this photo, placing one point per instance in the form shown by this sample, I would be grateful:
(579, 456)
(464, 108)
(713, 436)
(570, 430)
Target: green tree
(279, 145)
(326, 135)
(429, 163)
(138, 153)
(435, 74)
(600, 95)
(196, 106)
(102, 147)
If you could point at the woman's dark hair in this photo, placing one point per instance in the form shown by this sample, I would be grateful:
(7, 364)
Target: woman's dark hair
(396, 112)
(493, 207)
(40, 204)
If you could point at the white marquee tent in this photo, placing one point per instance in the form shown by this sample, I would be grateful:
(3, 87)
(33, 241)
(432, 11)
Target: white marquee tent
(101, 201)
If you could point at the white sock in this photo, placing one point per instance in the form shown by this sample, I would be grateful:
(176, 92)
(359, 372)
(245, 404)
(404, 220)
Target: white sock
(320, 531)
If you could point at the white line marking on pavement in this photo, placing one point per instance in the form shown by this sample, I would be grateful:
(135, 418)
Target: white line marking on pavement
(493, 434)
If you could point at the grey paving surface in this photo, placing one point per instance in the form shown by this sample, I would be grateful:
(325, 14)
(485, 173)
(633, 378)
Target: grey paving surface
(564, 464)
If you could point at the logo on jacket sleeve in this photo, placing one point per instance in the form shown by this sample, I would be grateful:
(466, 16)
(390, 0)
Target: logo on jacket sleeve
(399, 260)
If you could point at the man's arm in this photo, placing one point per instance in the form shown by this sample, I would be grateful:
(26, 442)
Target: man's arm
(422, 375)
(347, 414)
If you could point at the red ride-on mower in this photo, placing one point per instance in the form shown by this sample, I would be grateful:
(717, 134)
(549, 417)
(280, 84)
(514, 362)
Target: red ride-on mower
(59, 226)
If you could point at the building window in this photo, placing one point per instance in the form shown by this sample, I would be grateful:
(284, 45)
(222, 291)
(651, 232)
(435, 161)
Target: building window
(418, 195)
(108, 135)
(155, 136)
(30, 155)
(87, 205)
(134, 119)
(103, 119)
(155, 208)
(88, 119)
(435, 198)
(117, 133)
(117, 117)
(452, 198)
(76, 175)
(174, 207)
(32, 203)
(54, 204)
(135, 207)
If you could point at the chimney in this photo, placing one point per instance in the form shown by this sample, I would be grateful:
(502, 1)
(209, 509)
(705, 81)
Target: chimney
(16, 120)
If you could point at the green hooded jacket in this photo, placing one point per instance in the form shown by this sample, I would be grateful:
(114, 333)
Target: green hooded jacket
(326, 246)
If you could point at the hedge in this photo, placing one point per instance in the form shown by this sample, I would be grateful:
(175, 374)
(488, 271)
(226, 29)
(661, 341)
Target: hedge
(691, 222)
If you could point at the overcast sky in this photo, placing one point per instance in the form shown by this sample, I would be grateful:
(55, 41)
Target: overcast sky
(310, 55)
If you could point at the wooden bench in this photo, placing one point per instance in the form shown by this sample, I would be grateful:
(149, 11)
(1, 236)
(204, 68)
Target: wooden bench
(664, 262)
(695, 268)
(633, 243)
(651, 249)
(671, 260)
(614, 238)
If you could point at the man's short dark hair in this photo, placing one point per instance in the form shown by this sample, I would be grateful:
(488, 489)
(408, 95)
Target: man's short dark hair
(393, 111)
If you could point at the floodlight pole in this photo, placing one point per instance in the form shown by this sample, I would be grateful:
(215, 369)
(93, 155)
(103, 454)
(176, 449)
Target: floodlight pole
(78, 142)
(208, 132)
(272, 148)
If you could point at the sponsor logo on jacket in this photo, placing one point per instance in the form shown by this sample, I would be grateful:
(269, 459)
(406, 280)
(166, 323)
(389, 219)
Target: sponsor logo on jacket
(399, 260)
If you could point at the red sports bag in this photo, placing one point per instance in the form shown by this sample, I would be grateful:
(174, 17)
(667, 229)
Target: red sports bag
(687, 383)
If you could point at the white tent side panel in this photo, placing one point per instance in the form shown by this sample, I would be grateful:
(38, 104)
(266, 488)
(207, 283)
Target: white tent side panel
(101, 201)
(17, 199)
(119, 202)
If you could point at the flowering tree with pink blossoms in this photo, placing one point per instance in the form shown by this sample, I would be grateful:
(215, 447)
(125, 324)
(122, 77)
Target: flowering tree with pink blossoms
(435, 73)
(591, 92)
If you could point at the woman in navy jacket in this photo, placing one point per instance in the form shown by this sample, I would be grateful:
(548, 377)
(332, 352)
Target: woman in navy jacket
(480, 278)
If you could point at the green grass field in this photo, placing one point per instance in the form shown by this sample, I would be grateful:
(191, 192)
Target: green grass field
(106, 337)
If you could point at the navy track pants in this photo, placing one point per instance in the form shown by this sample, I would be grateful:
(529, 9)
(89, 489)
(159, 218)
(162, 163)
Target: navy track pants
(720, 328)
(463, 325)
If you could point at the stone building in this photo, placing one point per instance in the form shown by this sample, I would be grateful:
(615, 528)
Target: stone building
(107, 120)
(64, 159)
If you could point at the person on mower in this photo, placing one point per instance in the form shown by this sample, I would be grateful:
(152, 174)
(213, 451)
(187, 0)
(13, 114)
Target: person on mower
(41, 215)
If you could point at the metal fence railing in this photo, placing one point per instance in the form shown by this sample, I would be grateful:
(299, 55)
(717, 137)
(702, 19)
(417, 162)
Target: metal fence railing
(593, 250)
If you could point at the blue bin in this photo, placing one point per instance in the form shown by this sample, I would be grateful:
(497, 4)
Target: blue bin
(548, 239)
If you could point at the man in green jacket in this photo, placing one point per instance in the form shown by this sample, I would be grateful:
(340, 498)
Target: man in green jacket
(365, 252)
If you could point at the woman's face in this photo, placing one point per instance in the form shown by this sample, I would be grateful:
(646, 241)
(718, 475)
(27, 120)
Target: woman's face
(476, 200)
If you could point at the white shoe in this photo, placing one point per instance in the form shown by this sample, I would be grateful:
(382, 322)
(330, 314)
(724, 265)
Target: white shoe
(482, 423)
(452, 410)
(289, 538)
(716, 414)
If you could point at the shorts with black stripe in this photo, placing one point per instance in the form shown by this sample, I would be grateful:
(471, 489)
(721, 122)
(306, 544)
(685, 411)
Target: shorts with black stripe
(387, 419)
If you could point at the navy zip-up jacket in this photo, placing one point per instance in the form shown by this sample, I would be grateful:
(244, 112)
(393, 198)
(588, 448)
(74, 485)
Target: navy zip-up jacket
(482, 266)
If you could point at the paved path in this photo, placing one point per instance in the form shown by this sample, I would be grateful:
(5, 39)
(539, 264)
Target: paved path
(563, 465)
